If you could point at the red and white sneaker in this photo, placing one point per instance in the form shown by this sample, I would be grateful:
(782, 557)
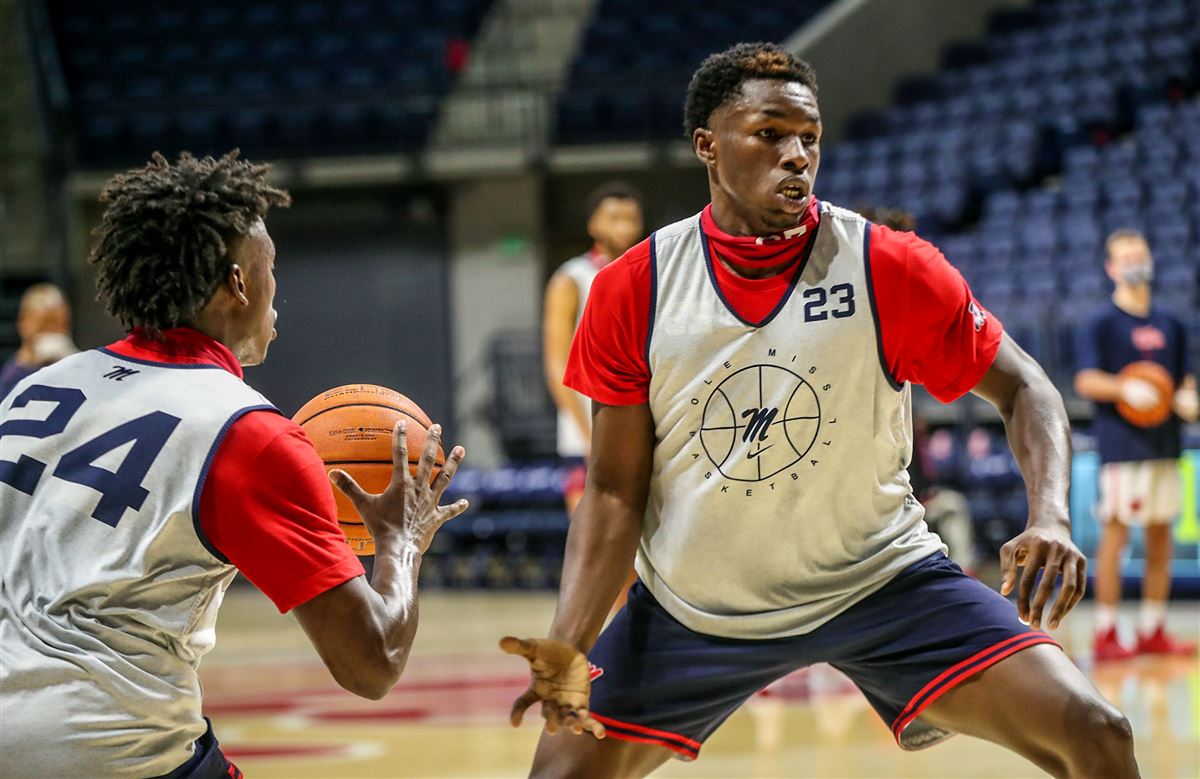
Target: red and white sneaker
(1159, 643)
(1106, 646)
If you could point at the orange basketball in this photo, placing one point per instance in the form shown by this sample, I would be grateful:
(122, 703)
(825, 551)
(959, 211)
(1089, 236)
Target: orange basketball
(351, 427)
(1156, 375)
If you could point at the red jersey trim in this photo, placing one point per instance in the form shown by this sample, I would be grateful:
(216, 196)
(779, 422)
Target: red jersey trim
(653, 295)
(797, 272)
(208, 461)
(179, 347)
(322, 582)
(883, 363)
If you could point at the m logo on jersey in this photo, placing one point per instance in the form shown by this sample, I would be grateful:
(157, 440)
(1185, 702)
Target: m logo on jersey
(759, 421)
(118, 373)
(978, 314)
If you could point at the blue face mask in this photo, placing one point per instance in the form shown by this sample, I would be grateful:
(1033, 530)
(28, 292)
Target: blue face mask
(1138, 275)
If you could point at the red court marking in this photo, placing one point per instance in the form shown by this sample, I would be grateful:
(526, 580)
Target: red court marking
(236, 752)
(369, 714)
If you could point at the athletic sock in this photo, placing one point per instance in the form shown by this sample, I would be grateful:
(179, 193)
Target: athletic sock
(1106, 617)
(1152, 615)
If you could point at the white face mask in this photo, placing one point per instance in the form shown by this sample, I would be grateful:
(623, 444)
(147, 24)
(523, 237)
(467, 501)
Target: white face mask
(1138, 275)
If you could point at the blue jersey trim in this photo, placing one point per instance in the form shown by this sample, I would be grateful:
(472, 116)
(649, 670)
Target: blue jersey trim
(212, 452)
(155, 363)
(787, 295)
(883, 366)
(653, 293)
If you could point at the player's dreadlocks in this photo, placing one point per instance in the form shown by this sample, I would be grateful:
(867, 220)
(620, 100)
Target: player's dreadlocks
(161, 249)
(719, 76)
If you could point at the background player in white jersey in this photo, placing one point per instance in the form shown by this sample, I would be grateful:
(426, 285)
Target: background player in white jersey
(1139, 472)
(614, 224)
(750, 372)
(44, 324)
(137, 479)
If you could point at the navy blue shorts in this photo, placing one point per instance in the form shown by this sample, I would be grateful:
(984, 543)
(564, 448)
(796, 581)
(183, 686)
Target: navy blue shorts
(928, 629)
(207, 761)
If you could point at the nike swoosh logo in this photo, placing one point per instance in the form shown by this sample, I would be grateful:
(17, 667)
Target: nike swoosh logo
(752, 455)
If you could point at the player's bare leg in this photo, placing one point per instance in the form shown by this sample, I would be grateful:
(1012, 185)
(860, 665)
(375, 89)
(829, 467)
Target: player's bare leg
(1038, 704)
(1113, 539)
(566, 755)
(1156, 581)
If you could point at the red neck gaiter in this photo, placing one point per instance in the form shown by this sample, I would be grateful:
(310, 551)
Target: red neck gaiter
(755, 251)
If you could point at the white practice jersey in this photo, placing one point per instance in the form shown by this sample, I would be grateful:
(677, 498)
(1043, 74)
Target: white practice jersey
(582, 270)
(110, 594)
(779, 495)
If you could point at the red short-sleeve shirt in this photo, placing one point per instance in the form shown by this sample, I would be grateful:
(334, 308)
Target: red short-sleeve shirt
(934, 332)
(266, 504)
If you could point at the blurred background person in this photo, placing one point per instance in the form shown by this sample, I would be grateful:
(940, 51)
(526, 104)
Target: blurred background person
(614, 224)
(44, 326)
(1139, 475)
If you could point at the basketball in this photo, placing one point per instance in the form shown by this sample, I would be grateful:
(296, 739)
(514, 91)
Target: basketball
(1157, 376)
(351, 428)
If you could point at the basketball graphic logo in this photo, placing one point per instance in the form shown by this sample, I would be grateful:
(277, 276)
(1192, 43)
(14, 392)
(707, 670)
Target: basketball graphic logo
(759, 421)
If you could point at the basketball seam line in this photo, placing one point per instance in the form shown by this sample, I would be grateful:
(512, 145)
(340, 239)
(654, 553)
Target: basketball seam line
(372, 405)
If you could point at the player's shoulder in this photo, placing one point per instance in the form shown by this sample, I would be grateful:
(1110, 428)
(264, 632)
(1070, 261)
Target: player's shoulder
(841, 214)
(266, 432)
(628, 274)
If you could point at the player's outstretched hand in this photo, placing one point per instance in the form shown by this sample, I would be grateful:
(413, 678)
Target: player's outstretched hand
(561, 681)
(408, 509)
(1053, 550)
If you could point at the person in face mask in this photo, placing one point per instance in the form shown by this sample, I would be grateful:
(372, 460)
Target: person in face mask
(1139, 475)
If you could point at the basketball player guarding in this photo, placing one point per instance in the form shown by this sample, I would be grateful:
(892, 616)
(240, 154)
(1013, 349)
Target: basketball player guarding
(614, 224)
(136, 480)
(750, 371)
(1139, 472)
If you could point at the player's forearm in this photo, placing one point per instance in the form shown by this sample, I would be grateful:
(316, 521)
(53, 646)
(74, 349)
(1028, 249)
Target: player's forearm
(601, 544)
(1097, 385)
(374, 650)
(1039, 434)
(565, 398)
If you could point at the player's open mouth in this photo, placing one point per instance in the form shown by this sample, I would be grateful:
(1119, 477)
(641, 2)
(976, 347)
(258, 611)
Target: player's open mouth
(792, 192)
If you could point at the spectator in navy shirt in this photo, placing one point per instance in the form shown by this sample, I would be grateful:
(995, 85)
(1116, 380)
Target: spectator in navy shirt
(1139, 473)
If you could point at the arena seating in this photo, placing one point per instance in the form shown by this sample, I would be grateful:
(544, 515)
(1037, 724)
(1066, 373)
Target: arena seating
(278, 79)
(630, 74)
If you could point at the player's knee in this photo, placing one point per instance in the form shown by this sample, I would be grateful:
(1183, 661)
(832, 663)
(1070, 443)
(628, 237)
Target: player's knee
(1105, 745)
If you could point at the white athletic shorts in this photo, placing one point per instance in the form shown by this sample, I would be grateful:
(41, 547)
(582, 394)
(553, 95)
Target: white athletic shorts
(1139, 493)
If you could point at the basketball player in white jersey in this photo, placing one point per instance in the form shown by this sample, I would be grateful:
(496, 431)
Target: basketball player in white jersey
(614, 224)
(136, 480)
(750, 370)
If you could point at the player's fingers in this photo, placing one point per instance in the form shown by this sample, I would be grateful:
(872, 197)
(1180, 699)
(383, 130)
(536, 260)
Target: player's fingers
(1033, 564)
(349, 487)
(1008, 567)
(1044, 590)
(447, 473)
(551, 714)
(1066, 594)
(453, 510)
(525, 647)
(570, 721)
(523, 702)
(591, 725)
(399, 452)
(429, 454)
(1080, 580)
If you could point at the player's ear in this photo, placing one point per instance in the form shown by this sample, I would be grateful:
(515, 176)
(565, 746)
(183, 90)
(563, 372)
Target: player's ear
(705, 144)
(235, 282)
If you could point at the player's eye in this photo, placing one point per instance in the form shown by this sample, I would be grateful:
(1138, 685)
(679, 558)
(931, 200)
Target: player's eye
(809, 139)
(768, 133)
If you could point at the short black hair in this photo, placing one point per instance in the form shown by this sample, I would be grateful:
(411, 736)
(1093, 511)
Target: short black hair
(719, 76)
(162, 245)
(620, 190)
